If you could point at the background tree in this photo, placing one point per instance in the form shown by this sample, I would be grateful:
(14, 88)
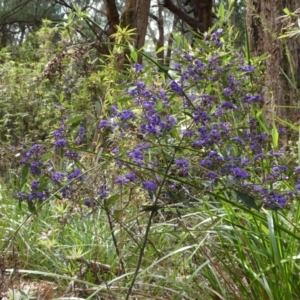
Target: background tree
(283, 64)
(17, 18)
(202, 13)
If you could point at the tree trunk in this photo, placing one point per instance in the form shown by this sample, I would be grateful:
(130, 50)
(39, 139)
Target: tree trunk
(265, 26)
(202, 20)
(135, 15)
(204, 13)
(160, 41)
(112, 16)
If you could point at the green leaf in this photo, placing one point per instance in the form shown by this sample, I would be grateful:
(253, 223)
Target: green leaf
(111, 200)
(76, 120)
(98, 108)
(221, 11)
(134, 56)
(286, 11)
(275, 136)
(248, 200)
(31, 207)
(124, 99)
(131, 48)
(161, 49)
(117, 214)
(46, 156)
(273, 238)
(24, 173)
(203, 45)
(262, 57)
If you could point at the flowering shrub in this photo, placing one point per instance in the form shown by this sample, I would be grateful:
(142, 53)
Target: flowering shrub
(196, 134)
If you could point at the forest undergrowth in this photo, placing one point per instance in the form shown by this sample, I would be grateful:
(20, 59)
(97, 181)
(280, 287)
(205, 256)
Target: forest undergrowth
(145, 183)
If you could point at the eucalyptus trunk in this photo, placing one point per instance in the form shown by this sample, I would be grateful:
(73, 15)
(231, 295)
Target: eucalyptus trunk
(282, 67)
(135, 15)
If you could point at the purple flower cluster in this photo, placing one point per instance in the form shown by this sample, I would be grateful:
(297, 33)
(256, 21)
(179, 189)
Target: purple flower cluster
(196, 132)
(80, 135)
(34, 153)
(50, 179)
(201, 127)
(36, 192)
(73, 175)
(58, 134)
(103, 191)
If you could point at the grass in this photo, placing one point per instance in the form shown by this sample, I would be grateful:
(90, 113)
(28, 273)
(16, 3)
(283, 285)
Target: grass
(212, 251)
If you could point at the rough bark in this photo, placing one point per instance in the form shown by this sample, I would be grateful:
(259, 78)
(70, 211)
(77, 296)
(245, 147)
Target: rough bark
(112, 15)
(135, 15)
(265, 26)
(204, 13)
(193, 23)
(202, 20)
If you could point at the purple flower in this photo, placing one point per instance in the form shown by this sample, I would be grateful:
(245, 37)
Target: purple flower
(297, 170)
(274, 200)
(41, 196)
(215, 36)
(116, 151)
(57, 176)
(121, 180)
(215, 135)
(80, 135)
(248, 69)
(181, 162)
(137, 156)
(21, 196)
(137, 67)
(87, 202)
(228, 105)
(283, 168)
(58, 134)
(34, 152)
(211, 175)
(103, 191)
(35, 168)
(188, 56)
(126, 115)
(131, 177)
(150, 185)
(207, 163)
(245, 161)
(74, 174)
(104, 124)
(259, 156)
(176, 88)
(228, 92)
(35, 185)
(237, 140)
(71, 154)
(281, 130)
(171, 121)
(60, 143)
(68, 191)
(177, 67)
(188, 133)
(253, 98)
(240, 173)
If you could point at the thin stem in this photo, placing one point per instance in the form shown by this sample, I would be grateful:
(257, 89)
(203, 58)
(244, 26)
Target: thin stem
(141, 254)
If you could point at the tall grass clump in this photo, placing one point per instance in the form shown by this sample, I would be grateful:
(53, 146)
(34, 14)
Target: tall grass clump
(188, 197)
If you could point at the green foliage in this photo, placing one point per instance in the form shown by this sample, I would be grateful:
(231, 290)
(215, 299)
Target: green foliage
(207, 241)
